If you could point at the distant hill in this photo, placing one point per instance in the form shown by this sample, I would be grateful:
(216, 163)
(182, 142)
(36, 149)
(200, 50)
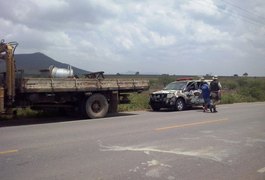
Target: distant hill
(33, 63)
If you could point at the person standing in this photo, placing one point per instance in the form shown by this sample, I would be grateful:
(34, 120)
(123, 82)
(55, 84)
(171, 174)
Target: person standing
(206, 95)
(215, 92)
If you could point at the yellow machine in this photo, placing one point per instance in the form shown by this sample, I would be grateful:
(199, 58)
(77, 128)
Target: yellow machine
(8, 84)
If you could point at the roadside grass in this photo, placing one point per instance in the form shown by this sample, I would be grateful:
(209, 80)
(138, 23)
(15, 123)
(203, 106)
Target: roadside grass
(243, 90)
(27, 112)
(22, 113)
(138, 102)
(30, 113)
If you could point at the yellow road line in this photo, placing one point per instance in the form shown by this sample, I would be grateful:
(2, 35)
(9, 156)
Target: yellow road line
(262, 170)
(8, 152)
(191, 124)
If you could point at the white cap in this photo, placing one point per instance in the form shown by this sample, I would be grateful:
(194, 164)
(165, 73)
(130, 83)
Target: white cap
(215, 77)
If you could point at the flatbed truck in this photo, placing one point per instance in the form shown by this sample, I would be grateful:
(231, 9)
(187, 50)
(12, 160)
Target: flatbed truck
(93, 96)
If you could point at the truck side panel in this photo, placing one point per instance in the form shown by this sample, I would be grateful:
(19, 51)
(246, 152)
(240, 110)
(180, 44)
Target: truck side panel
(78, 85)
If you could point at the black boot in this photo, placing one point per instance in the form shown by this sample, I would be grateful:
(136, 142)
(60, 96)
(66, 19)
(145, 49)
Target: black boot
(211, 108)
(214, 109)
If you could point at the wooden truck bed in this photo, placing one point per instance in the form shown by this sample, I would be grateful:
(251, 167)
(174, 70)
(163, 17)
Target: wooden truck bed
(27, 85)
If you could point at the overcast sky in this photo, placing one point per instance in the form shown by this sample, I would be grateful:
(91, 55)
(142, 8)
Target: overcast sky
(196, 37)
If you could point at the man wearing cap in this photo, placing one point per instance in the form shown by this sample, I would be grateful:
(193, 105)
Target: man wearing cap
(215, 87)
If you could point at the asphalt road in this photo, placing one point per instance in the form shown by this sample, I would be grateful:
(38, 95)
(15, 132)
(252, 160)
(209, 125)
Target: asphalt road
(165, 145)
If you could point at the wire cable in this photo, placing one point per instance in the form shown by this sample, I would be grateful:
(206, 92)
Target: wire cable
(234, 14)
(251, 15)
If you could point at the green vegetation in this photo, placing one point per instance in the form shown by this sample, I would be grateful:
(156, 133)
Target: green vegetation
(243, 90)
(138, 102)
(27, 112)
(22, 113)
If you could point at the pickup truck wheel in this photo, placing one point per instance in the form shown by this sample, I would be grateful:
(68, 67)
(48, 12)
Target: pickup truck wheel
(155, 107)
(180, 105)
(96, 106)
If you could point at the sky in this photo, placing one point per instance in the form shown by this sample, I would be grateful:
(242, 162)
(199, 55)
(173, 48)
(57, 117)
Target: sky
(181, 37)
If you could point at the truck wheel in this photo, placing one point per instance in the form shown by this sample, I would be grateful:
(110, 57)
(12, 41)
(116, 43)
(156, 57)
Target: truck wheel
(96, 106)
(180, 105)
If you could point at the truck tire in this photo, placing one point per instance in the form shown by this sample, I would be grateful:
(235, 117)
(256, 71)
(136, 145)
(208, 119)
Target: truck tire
(96, 106)
(180, 104)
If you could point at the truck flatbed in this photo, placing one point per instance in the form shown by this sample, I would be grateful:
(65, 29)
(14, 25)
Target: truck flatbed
(49, 85)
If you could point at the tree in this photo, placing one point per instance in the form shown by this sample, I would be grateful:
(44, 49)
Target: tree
(245, 74)
(164, 79)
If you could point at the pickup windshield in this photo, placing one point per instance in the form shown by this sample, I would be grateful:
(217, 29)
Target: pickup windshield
(176, 86)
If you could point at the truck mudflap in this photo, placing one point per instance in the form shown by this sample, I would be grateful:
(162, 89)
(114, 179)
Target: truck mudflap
(2, 98)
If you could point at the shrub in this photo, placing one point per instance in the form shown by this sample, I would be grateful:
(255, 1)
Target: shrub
(242, 82)
(165, 79)
(230, 85)
(228, 99)
(138, 102)
(257, 94)
(26, 112)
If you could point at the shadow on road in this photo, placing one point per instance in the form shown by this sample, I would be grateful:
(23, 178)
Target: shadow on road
(198, 109)
(52, 119)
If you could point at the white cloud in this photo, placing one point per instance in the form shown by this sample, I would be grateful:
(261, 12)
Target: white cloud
(206, 33)
(146, 35)
(206, 7)
(160, 40)
(47, 5)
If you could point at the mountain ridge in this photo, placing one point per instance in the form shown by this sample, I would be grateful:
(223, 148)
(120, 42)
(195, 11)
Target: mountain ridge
(34, 62)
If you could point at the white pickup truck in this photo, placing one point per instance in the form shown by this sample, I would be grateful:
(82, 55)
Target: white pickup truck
(178, 95)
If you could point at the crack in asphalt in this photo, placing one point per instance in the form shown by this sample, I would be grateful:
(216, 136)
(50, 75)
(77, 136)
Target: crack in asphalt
(207, 153)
